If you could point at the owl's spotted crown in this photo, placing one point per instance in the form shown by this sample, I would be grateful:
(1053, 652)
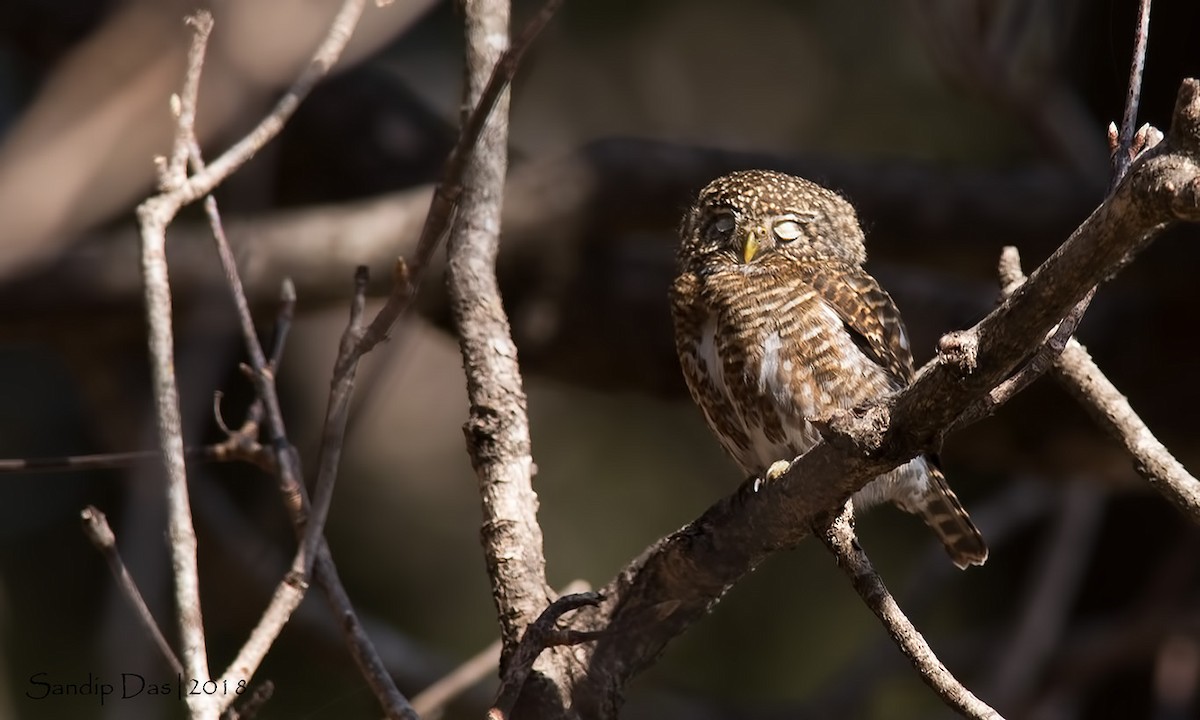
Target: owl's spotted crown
(758, 199)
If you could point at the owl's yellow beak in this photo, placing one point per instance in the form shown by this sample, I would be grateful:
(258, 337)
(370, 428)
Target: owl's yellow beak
(751, 248)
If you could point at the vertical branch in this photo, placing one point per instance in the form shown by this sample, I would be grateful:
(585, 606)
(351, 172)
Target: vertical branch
(181, 533)
(154, 215)
(497, 430)
(1123, 153)
(839, 537)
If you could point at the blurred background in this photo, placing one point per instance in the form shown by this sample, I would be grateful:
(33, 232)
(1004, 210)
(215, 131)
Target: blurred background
(955, 127)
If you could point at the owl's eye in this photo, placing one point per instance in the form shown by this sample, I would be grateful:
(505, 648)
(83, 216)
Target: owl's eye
(787, 228)
(719, 226)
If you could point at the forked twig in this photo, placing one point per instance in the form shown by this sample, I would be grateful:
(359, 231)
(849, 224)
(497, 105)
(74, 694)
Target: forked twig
(542, 633)
(1084, 380)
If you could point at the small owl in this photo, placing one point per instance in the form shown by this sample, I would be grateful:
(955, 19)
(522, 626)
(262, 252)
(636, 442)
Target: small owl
(777, 325)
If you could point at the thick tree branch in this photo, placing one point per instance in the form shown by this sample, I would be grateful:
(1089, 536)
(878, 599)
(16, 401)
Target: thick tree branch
(497, 431)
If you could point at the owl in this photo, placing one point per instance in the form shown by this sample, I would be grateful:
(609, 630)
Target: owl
(777, 326)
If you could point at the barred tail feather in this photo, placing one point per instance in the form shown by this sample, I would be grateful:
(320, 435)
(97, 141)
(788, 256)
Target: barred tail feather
(944, 514)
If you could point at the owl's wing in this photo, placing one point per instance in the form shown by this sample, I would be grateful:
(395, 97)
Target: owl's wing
(869, 314)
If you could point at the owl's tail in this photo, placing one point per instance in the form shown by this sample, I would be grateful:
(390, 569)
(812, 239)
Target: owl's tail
(944, 514)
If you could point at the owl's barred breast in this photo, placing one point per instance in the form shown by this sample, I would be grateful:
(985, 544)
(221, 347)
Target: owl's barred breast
(781, 347)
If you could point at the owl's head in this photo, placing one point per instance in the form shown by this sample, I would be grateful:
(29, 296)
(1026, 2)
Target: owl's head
(750, 215)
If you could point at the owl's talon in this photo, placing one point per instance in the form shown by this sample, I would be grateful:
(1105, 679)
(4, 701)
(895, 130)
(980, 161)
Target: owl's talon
(777, 470)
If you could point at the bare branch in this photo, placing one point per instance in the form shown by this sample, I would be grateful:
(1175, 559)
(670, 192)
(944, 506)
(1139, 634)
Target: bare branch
(313, 547)
(291, 590)
(439, 694)
(539, 635)
(1124, 152)
(497, 431)
(1084, 380)
(174, 172)
(154, 215)
(446, 193)
(326, 55)
(839, 537)
(97, 529)
(1104, 402)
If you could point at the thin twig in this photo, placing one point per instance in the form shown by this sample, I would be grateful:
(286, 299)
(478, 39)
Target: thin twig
(365, 656)
(174, 172)
(308, 518)
(283, 323)
(219, 452)
(154, 215)
(449, 188)
(440, 693)
(341, 392)
(542, 633)
(291, 590)
(839, 538)
(262, 373)
(97, 529)
(1084, 380)
(250, 704)
(1124, 153)
(325, 56)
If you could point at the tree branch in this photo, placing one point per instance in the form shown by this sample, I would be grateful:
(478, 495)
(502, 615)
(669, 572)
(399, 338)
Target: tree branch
(839, 537)
(497, 431)
(1084, 380)
(539, 635)
(154, 215)
(98, 531)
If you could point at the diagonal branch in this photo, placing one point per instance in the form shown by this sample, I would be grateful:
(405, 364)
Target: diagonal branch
(100, 533)
(839, 537)
(1084, 380)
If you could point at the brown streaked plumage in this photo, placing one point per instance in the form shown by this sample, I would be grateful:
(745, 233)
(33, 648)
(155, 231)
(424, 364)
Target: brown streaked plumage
(777, 325)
